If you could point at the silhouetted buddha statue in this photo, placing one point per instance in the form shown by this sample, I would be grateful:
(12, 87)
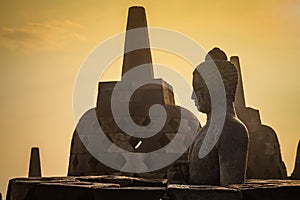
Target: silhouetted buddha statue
(226, 163)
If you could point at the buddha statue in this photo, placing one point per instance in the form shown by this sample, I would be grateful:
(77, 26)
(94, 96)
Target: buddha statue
(226, 163)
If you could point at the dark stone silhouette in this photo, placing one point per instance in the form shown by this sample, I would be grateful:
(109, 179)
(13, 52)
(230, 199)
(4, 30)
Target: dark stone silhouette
(226, 163)
(136, 188)
(35, 164)
(86, 188)
(250, 190)
(81, 161)
(296, 172)
(264, 158)
(128, 188)
(137, 19)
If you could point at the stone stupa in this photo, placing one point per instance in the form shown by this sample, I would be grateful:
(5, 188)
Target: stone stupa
(81, 161)
(264, 158)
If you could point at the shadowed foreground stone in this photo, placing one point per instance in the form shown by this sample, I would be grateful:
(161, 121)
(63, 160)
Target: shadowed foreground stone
(251, 190)
(296, 172)
(202, 192)
(86, 188)
(270, 189)
(129, 188)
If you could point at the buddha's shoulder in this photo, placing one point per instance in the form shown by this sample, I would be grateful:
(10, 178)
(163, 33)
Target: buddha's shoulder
(234, 126)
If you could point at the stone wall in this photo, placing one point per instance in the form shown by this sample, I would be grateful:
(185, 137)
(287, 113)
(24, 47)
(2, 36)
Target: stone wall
(128, 188)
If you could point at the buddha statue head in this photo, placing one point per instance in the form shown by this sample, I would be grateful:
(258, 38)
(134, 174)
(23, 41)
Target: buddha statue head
(228, 72)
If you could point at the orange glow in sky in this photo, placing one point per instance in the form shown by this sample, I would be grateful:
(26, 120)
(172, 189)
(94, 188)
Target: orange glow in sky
(42, 45)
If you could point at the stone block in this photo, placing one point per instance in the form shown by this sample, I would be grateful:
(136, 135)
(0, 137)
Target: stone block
(20, 188)
(48, 191)
(124, 181)
(124, 187)
(270, 190)
(202, 192)
(86, 188)
(77, 190)
(130, 193)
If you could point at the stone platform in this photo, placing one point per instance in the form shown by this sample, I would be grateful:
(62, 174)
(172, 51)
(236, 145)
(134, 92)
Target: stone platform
(122, 187)
(252, 190)
(86, 188)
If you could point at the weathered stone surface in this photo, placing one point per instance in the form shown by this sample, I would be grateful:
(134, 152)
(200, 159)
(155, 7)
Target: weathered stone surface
(178, 173)
(202, 192)
(121, 187)
(19, 188)
(270, 189)
(86, 188)
(264, 158)
(125, 181)
(130, 193)
(296, 172)
(83, 163)
(250, 190)
(67, 191)
(35, 164)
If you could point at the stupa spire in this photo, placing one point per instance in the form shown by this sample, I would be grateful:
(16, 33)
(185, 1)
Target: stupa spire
(35, 163)
(139, 40)
(240, 96)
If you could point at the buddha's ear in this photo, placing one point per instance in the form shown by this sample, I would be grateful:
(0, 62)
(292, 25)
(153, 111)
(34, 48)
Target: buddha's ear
(230, 88)
(206, 94)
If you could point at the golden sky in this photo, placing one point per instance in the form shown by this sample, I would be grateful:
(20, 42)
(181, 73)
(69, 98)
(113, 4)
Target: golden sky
(43, 43)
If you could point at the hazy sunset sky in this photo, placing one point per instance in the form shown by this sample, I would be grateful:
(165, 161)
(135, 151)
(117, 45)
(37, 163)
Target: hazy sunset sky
(43, 43)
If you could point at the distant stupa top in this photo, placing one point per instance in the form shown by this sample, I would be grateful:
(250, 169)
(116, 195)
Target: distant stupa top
(137, 38)
(215, 54)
